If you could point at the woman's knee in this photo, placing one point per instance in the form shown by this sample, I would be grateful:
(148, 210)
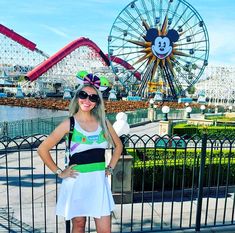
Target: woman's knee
(103, 225)
(79, 222)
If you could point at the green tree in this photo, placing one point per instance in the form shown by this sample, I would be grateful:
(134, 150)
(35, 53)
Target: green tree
(191, 90)
(21, 79)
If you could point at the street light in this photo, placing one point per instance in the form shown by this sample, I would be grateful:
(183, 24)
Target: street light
(188, 111)
(151, 102)
(165, 110)
(203, 107)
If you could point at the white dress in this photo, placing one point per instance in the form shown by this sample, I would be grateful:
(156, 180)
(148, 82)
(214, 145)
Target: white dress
(88, 194)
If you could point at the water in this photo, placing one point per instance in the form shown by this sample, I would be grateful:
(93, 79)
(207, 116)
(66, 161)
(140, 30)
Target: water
(9, 113)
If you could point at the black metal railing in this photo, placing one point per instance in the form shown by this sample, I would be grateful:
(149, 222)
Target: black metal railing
(160, 183)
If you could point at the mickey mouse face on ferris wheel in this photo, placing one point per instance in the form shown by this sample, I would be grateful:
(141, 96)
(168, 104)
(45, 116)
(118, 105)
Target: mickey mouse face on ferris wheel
(162, 46)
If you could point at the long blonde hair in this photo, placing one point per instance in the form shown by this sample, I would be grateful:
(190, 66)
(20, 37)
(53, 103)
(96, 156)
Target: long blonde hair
(98, 111)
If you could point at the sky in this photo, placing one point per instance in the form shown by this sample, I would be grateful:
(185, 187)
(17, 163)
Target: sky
(52, 24)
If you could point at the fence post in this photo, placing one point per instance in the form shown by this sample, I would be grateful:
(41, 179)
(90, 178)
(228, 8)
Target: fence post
(200, 182)
(22, 128)
(5, 129)
(52, 124)
(67, 226)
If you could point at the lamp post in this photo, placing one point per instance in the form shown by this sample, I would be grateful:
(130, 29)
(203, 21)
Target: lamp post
(124, 165)
(188, 111)
(203, 107)
(151, 102)
(151, 114)
(165, 110)
(216, 108)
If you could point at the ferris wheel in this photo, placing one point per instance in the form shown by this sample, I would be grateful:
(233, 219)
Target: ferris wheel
(164, 42)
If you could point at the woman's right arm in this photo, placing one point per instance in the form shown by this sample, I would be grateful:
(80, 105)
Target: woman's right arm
(50, 142)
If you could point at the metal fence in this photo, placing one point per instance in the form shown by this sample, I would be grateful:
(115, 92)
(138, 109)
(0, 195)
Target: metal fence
(41, 126)
(26, 128)
(160, 183)
(29, 127)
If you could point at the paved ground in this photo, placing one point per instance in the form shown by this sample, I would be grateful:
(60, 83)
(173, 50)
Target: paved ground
(149, 129)
(227, 229)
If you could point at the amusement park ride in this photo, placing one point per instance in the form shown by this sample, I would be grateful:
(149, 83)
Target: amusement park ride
(218, 85)
(158, 46)
(164, 41)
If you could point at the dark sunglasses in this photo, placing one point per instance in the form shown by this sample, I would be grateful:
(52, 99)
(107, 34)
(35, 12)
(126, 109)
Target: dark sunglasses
(93, 97)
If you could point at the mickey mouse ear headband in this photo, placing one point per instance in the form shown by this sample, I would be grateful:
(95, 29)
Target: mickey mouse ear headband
(101, 83)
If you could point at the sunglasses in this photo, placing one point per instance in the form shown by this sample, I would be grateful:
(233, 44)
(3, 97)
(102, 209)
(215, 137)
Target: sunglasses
(93, 97)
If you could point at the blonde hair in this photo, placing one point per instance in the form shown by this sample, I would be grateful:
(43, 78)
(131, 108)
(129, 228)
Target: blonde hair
(98, 111)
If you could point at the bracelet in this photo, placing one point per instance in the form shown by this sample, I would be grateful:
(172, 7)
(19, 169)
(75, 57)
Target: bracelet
(109, 169)
(58, 171)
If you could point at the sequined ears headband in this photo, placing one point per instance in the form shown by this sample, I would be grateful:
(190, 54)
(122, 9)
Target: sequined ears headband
(101, 83)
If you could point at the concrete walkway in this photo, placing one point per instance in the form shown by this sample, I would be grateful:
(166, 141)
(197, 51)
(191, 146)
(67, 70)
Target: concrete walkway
(225, 229)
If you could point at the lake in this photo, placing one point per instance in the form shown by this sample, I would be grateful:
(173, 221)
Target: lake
(12, 113)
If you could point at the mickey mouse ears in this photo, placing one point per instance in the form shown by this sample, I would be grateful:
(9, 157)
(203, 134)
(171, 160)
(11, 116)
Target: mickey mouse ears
(101, 83)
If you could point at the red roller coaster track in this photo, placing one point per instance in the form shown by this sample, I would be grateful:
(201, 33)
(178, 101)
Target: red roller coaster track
(53, 60)
(50, 62)
(18, 38)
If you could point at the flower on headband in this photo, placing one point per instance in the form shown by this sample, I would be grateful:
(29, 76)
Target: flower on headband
(92, 80)
(100, 83)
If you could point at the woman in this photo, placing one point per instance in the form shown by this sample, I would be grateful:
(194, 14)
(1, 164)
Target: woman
(85, 190)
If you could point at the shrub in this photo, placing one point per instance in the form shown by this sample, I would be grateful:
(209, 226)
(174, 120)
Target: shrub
(169, 169)
(212, 131)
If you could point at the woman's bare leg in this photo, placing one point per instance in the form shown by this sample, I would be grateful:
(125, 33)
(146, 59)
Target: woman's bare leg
(103, 224)
(79, 224)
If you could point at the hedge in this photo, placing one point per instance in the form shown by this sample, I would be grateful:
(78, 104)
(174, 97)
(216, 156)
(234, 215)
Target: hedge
(167, 169)
(212, 131)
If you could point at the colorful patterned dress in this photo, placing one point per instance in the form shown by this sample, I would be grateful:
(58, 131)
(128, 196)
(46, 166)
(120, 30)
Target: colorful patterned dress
(88, 194)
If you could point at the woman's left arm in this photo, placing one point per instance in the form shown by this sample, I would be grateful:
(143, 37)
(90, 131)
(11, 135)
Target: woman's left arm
(118, 147)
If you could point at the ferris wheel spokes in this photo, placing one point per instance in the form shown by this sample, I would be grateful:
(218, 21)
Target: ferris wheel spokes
(141, 30)
(146, 78)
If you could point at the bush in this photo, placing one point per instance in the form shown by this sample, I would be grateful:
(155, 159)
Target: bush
(212, 131)
(160, 169)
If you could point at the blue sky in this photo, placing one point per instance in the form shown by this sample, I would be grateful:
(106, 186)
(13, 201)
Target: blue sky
(52, 24)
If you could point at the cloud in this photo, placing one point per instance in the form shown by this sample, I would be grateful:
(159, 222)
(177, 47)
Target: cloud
(56, 31)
